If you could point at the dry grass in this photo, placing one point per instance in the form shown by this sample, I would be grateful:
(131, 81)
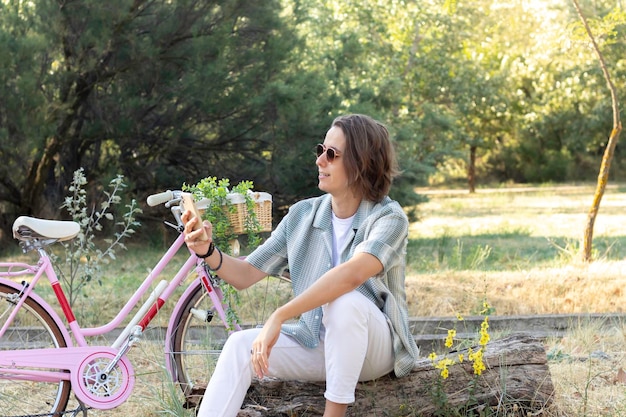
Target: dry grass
(587, 368)
(596, 288)
(517, 247)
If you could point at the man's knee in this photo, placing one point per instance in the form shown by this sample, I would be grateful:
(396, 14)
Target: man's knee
(241, 340)
(347, 309)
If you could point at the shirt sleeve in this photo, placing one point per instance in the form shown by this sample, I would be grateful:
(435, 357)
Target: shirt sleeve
(385, 237)
(271, 256)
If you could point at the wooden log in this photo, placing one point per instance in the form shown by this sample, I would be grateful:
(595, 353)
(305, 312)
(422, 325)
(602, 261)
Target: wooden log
(517, 377)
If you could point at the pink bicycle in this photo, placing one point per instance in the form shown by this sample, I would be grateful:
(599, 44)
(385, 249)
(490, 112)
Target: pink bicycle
(44, 358)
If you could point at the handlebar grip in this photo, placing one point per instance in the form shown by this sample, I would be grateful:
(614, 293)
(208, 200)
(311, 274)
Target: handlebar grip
(160, 198)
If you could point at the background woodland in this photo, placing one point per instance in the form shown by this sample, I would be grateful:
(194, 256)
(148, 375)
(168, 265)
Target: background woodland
(169, 92)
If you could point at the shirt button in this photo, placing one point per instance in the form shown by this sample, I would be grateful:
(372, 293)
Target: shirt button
(317, 317)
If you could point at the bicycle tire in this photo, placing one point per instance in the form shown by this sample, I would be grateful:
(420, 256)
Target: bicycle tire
(195, 346)
(33, 327)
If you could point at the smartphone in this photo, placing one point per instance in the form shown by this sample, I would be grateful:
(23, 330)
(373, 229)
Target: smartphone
(187, 203)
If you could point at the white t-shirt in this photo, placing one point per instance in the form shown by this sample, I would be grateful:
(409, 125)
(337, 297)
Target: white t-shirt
(341, 227)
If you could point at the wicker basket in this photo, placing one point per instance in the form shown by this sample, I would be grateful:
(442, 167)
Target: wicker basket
(262, 209)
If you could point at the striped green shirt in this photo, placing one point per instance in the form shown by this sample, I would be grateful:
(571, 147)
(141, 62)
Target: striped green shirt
(302, 243)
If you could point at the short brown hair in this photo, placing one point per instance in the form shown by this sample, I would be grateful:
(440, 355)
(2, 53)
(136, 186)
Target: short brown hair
(370, 159)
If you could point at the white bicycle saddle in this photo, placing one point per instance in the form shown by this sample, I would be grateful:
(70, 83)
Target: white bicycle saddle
(26, 227)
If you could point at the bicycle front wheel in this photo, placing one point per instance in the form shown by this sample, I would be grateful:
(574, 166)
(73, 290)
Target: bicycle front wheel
(32, 328)
(196, 342)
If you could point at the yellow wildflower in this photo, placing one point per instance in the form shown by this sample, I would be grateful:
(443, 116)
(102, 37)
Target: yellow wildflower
(486, 308)
(484, 334)
(479, 367)
(450, 338)
(477, 359)
(443, 365)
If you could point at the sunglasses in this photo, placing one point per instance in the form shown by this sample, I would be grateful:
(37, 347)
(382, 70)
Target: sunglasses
(331, 153)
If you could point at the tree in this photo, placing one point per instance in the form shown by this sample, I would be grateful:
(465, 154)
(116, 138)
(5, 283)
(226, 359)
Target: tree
(610, 148)
(362, 51)
(165, 90)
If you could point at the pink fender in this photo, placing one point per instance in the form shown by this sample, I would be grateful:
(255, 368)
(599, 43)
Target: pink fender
(47, 307)
(170, 327)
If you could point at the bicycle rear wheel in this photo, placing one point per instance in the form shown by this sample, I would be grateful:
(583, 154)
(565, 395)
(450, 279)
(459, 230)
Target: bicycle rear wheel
(32, 328)
(196, 343)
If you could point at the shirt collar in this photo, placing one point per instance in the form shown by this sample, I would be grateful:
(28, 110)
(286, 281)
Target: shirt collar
(323, 217)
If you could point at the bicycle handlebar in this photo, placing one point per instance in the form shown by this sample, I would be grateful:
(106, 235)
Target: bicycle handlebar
(168, 197)
(160, 198)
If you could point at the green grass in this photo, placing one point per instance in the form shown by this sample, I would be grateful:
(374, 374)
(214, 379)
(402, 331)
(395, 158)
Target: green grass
(520, 229)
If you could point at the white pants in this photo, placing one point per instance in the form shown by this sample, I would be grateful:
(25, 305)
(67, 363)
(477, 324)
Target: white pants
(356, 346)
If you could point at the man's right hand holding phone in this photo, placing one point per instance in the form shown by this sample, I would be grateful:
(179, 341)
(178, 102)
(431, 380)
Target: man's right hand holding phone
(197, 232)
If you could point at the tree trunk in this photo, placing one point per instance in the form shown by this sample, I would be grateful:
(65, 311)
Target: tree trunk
(471, 170)
(517, 378)
(603, 178)
(32, 201)
(607, 158)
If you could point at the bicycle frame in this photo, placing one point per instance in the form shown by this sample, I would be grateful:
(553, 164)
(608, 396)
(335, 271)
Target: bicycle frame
(47, 365)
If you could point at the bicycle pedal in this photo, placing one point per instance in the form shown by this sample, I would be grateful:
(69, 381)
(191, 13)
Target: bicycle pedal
(203, 315)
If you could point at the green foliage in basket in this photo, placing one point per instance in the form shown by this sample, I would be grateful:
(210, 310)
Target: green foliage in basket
(218, 214)
(221, 207)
